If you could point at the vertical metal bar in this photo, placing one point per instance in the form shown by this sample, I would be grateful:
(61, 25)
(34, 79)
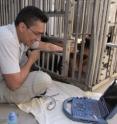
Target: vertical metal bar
(106, 27)
(83, 40)
(58, 59)
(65, 53)
(57, 25)
(76, 37)
(92, 57)
(0, 13)
(60, 31)
(3, 12)
(6, 13)
(115, 65)
(18, 6)
(114, 58)
(43, 59)
(88, 29)
(53, 58)
(89, 14)
(9, 11)
(15, 8)
(48, 57)
(61, 57)
(100, 30)
(62, 5)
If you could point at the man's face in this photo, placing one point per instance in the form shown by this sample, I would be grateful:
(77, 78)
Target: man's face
(31, 34)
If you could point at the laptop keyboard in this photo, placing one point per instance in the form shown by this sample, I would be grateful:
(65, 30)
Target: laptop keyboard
(85, 108)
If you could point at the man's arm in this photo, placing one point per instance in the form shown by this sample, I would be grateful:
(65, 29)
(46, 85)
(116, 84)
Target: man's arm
(15, 80)
(50, 47)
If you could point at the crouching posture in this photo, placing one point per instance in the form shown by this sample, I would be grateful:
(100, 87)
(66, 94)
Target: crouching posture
(17, 83)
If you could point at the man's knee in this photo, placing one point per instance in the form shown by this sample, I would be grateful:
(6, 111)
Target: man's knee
(42, 77)
(41, 82)
(35, 84)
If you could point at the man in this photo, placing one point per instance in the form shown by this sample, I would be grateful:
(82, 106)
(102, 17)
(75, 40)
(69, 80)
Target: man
(17, 83)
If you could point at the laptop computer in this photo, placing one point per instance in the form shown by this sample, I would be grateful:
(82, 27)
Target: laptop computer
(90, 110)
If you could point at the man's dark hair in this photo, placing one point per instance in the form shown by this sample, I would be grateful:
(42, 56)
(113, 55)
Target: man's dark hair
(29, 15)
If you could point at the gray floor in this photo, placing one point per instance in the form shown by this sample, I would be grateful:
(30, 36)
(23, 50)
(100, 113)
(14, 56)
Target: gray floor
(23, 118)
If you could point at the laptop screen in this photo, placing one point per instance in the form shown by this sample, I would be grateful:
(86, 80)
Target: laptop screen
(110, 96)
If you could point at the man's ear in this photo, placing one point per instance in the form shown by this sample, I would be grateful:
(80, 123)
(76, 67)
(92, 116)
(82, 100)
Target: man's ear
(22, 27)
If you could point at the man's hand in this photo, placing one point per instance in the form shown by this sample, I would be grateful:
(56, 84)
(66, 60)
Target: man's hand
(34, 55)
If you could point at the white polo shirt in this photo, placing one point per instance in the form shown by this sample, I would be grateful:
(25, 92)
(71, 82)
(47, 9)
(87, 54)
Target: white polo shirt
(10, 50)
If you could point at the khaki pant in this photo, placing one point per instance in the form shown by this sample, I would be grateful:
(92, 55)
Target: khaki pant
(35, 84)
